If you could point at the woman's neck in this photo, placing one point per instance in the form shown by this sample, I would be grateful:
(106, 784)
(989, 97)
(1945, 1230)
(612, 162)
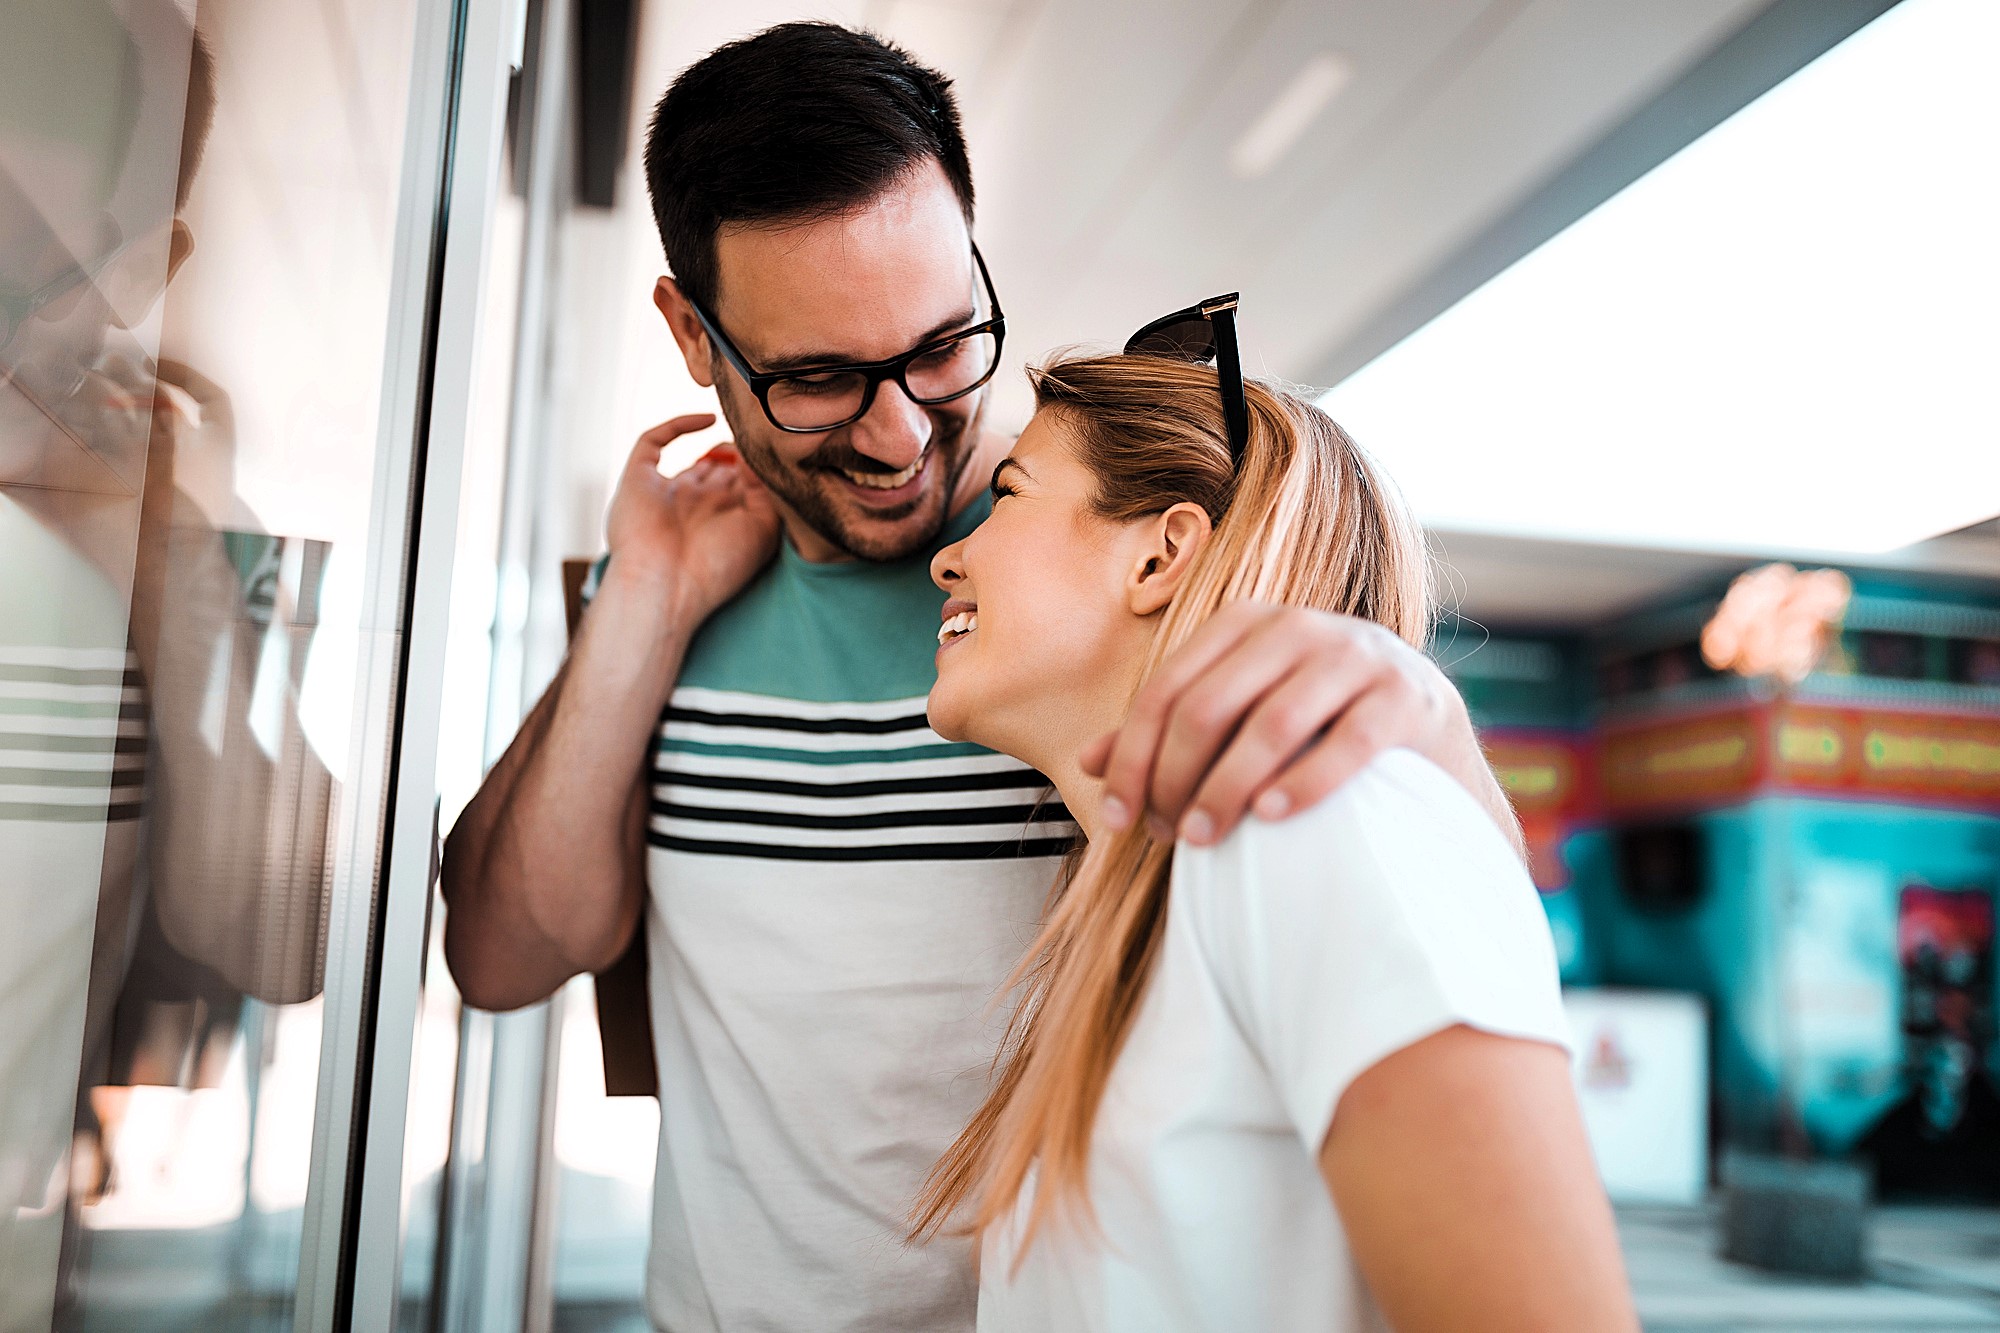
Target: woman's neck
(1055, 743)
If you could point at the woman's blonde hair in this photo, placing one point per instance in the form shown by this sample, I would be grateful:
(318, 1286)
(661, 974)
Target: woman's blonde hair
(1306, 520)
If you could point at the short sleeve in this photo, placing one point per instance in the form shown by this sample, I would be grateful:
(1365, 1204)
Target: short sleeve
(595, 578)
(1390, 911)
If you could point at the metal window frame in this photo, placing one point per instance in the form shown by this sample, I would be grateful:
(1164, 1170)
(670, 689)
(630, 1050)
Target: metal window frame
(350, 1254)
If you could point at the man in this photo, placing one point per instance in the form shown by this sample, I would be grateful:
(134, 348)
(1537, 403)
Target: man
(832, 894)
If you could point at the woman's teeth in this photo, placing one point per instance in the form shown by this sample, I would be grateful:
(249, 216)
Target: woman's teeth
(963, 623)
(887, 481)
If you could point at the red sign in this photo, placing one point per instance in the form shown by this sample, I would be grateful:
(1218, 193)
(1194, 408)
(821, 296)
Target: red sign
(1720, 758)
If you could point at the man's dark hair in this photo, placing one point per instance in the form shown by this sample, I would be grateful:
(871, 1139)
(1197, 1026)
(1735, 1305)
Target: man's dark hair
(198, 117)
(801, 121)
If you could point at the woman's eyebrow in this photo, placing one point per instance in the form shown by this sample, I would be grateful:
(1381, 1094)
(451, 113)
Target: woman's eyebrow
(1011, 462)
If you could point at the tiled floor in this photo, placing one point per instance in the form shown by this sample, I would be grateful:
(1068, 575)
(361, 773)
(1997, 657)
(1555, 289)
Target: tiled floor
(1933, 1268)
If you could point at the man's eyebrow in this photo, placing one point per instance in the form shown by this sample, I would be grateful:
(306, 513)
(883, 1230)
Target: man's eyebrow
(779, 365)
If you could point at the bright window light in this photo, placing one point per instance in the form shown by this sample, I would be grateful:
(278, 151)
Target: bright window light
(1784, 338)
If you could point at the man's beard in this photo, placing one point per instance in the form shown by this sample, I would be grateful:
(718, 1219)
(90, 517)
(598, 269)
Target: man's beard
(803, 485)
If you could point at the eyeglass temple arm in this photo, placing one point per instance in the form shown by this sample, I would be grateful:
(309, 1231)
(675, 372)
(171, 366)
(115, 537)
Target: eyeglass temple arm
(1229, 370)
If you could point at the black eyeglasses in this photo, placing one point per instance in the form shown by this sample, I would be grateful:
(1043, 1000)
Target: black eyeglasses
(1201, 334)
(18, 303)
(817, 398)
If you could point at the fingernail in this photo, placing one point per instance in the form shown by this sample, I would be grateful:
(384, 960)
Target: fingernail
(1272, 805)
(1198, 828)
(1116, 816)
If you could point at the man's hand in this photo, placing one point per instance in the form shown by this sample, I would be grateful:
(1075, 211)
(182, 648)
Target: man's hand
(703, 533)
(1271, 708)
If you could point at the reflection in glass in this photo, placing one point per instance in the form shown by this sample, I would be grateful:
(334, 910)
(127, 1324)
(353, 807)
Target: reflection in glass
(194, 278)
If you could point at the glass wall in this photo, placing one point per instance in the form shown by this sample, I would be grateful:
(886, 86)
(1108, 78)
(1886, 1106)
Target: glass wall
(198, 662)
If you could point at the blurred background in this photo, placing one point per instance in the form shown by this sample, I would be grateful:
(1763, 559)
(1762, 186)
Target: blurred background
(327, 324)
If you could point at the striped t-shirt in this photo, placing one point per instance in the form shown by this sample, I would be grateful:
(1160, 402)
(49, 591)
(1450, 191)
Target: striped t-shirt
(836, 895)
(72, 770)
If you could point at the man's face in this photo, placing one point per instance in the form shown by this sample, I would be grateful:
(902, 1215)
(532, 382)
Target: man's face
(863, 286)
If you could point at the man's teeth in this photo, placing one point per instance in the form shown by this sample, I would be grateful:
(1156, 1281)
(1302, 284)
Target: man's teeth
(963, 623)
(886, 481)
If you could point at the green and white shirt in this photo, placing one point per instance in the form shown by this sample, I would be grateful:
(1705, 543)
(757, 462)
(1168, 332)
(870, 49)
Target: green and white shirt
(837, 894)
(72, 773)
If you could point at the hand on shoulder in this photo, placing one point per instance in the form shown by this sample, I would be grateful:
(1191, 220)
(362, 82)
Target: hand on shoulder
(700, 535)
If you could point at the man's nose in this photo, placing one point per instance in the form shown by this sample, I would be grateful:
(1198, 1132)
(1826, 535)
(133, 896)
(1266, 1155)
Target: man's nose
(895, 430)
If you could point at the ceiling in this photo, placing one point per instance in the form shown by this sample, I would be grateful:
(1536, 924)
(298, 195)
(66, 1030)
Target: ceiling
(1102, 134)
(1522, 583)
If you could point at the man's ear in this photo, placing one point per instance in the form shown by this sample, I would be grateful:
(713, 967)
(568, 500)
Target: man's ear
(686, 328)
(180, 244)
(1172, 541)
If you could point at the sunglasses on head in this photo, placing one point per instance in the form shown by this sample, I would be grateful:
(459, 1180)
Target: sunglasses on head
(1204, 333)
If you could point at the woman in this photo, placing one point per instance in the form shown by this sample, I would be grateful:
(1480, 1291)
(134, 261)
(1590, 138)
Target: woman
(1313, 1077)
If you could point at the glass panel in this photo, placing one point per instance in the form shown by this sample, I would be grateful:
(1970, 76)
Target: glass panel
(195, 252)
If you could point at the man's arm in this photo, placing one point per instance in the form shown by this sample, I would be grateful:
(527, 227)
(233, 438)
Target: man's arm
(1271, 708)
(543, 875)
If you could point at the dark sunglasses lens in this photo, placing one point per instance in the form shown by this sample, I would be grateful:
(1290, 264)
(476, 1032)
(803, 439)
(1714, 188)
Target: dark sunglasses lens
(1191, 339)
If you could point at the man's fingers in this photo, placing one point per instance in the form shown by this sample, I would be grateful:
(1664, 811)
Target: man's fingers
(1361, 733)
(672, 429)
(646, 450)
(1277, 732)
(1134, 749)
(1208, 715)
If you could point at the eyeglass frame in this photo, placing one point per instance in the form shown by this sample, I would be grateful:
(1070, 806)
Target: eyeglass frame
(1220, 314)
(19, 304)
(896, 367)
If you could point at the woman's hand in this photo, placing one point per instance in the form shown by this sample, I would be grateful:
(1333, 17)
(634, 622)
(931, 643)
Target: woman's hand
(1271, 708)
(702, 534)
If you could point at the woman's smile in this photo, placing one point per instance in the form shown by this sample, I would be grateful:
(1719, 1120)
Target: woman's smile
(960, 618)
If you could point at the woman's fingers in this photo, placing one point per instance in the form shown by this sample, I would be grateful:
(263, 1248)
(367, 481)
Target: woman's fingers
(646, 450)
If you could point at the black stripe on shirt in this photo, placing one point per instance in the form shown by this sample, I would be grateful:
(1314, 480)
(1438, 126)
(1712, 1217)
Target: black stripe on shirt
(1006, 777)
(52, 744)
(824, 726)
(1007, 849)
(1048, 812)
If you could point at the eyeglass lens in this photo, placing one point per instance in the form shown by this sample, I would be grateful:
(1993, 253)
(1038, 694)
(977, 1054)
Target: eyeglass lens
(1190, 339)
(821, 402)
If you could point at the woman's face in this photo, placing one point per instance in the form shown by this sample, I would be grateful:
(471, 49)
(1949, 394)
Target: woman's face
(1042, 634)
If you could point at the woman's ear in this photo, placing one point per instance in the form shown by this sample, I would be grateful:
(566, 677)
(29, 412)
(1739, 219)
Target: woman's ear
(1172, 541)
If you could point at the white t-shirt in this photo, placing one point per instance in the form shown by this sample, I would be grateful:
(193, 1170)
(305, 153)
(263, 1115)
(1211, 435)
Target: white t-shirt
(1297, 955)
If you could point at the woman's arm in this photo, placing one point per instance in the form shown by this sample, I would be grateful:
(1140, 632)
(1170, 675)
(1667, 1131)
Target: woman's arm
(1465, 1184)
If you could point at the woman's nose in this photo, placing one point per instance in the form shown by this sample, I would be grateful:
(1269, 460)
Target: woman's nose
(946, 567)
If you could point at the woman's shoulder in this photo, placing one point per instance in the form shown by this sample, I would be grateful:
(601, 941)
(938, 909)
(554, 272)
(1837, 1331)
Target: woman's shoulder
(1395, 904)
(1400, 817)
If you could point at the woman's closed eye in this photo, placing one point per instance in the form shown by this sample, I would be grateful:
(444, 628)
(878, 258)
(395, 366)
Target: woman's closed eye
(1000, 489)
